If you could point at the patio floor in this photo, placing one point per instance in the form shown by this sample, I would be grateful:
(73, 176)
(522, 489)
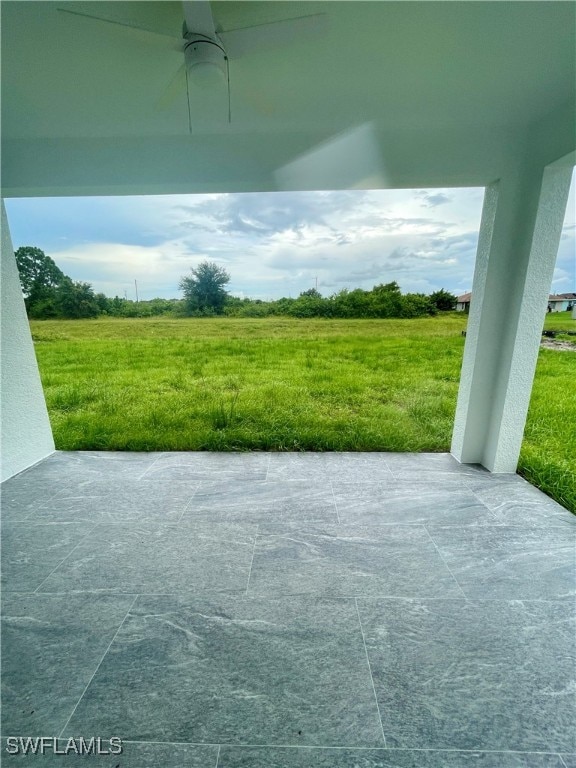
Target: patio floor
(288, 611)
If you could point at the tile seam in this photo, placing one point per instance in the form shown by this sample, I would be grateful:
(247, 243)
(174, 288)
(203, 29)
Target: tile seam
(252, 560)
(476, 495)
(38, 505)
(370, 672)
(150, 467)
(74, 548)
(464, 595)
(347, 747)
(188, 503)
(240, 592)
(335, 502)
(98, 667)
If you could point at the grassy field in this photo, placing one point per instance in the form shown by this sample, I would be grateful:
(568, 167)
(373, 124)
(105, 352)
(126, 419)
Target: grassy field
(286, 385)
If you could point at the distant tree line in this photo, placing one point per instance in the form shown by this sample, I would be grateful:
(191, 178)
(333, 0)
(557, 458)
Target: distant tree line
(385, 300)
(49, 293)
(205, 294)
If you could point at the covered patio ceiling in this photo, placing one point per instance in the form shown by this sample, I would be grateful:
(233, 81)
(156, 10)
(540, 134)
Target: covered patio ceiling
(445, 93)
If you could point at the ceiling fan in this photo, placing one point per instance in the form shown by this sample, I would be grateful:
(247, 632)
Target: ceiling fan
(207, 49)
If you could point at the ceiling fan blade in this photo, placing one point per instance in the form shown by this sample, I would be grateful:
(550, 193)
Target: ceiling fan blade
(175, 88)
(137, 27)
(198, 17)
(238, 42)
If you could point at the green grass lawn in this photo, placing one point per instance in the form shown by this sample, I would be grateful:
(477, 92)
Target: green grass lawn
(559, 321)
(548, 456)
(285, 385)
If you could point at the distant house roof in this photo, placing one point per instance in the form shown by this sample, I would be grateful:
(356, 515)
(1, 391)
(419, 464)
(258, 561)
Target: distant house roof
(562, 297)
(466, 297)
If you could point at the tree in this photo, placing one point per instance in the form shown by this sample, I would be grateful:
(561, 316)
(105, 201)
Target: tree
(39, 275)
(312, 293)
(76, 299)
(443, 301)
(387, 300)
(204, 291)
(103, 303)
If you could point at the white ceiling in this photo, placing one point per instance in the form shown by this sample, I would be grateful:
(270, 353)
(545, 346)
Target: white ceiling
(448, 89)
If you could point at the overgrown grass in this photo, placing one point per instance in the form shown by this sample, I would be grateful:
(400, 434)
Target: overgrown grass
(548, 456)
(283, 384)
(559, 321)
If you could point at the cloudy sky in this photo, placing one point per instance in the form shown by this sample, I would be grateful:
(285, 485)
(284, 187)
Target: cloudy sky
(272, 244)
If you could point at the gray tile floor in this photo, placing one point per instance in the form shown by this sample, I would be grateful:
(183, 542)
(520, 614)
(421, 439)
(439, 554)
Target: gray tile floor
(288, 611)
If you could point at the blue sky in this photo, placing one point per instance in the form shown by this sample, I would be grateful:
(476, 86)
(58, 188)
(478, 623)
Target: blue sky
(272, 244)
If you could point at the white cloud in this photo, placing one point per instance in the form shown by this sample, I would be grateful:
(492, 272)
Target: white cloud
(272, 244)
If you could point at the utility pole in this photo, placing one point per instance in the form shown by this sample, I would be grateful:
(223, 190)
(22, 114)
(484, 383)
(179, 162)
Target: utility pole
(136, 286)
(316, 282)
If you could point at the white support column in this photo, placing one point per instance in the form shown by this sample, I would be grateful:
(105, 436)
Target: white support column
(26, 431)
(519, 236)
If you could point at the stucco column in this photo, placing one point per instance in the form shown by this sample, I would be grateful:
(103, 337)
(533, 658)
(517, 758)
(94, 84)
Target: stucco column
(26, 431)
(519, 235)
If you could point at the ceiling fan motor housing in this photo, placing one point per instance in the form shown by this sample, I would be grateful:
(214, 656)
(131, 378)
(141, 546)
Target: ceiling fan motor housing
(205, 59)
